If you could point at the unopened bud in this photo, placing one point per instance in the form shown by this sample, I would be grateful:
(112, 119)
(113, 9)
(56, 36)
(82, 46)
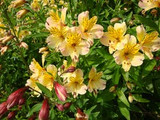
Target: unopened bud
(67, 105)
(21, 101)
(3, 108)
(70, 69)
(13, 98)
(21, 13)
(143, 12)
(74, 22)
(3, 49)
(43, 49)
(60, 107)
(18, 3)
(6, 38)
(131, 22)
(129, 85)
(113, 88)
(11, 115)
(24, 45)
(154, 12)
(44, 112)
(130, 98)
(116, 19)
(60, 91)
(33, 117)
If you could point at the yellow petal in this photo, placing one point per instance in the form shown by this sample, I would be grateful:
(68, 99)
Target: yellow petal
(140, 33)
(52, 69)
(121, 26)
(137, 59)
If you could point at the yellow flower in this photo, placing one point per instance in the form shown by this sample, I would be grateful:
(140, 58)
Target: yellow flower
(57, 36)
(75, 84)
(95, 82)
(149, 42)
(149, 4)
(129, 55)
(73, 45)
(42, 76)
(55, 20)
(89, 29)
(35, 5)
(114, 38)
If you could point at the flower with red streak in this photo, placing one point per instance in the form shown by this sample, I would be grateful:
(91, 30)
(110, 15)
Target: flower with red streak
(60, 91)
(13, 98)
(44, 112)
(3, 108)
(60, 107)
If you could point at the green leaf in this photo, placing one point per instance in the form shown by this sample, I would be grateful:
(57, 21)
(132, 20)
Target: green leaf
(52, 114)
(116, 76)
(138, 98)
(122, 97)
(45, 90)
(123, 109)
(88, 112)
(147, 22)
(148, 67)
(35, 108)
(104, 53)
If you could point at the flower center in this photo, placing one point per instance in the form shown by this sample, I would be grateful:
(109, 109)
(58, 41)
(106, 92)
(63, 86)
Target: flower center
(73, 39)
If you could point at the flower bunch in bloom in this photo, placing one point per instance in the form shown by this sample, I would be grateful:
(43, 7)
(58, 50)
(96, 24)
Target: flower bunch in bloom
(72, 41)
(44, 76)
(149, 4)
(125, 48)
(74, 81)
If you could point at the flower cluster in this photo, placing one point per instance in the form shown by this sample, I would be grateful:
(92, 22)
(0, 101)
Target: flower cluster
(42, 76)
(125, 48)
(72, 41)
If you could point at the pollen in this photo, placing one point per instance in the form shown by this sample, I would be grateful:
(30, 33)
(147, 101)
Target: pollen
(88, 24)
(73, 39)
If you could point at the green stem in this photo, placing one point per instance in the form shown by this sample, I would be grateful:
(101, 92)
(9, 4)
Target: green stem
(17, 40)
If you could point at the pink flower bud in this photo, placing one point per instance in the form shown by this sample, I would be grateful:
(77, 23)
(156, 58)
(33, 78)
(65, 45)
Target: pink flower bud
(13, 98)
(60, 107)
(11, 115)
(21, 101)
(67, 105)
(44, 112)
(60, 91)
(3, 108)
(70, 69)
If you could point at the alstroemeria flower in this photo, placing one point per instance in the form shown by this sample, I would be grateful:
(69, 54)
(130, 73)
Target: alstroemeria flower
(58, 34)
(148, 4)
(44, 76)
(55, 19)
(74, 45)
(88, 27)
(149, 42)
(95, 82)
(75, 84)
(129, 55)
(114, 38)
